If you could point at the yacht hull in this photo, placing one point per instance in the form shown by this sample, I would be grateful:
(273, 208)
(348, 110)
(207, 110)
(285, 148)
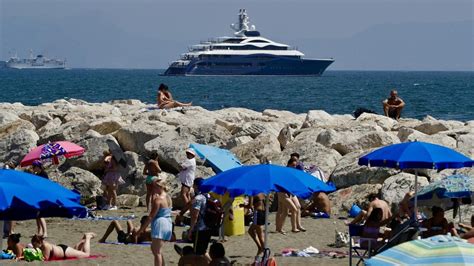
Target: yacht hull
(253, 65)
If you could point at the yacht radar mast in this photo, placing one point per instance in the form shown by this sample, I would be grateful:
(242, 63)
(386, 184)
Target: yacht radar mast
(243, 25)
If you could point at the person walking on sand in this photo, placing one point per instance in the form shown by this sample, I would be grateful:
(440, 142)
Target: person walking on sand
(257, 204)
(38, 169)
(393, 105)
(151, 170)
(111, 181)
(60, 252)
(187, 175)
(161, 225)
(288, 202)
(165, 99)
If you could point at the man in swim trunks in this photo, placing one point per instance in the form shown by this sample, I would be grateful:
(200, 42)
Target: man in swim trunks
(375, 202)
(151, 169)
(393, 106)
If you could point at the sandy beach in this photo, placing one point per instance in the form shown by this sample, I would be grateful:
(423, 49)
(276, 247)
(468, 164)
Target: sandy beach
(320, 234)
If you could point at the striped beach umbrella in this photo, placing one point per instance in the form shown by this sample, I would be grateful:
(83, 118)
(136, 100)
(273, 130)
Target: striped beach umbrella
(436, 250)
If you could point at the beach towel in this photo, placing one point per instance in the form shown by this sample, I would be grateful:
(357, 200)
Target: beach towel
(98, 256)
(107, 218)
(120, 243)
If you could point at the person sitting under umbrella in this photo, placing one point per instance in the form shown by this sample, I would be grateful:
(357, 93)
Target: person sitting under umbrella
(13, 244)
(469, 235)
(59, 252)
(437, 224)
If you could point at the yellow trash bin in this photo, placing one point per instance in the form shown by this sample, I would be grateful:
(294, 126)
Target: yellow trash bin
(236, 226)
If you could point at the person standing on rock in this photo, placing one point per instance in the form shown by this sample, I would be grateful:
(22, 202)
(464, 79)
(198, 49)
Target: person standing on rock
(187, 175)
(152, 169)
(393, 105)
(112, 179)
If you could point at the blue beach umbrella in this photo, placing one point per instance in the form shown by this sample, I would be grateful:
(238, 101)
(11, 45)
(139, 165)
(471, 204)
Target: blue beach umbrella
(219, 159)
(25, 196)
(436, 250)
(264, 178)
(454, 186)
(416, 155)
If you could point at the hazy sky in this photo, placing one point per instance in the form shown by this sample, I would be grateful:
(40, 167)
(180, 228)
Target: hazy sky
(364, 34)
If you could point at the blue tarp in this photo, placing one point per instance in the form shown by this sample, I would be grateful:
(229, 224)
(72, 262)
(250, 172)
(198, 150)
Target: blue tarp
(219, 159)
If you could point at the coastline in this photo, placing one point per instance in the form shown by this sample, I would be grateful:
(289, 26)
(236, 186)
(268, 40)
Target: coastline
(332, 142)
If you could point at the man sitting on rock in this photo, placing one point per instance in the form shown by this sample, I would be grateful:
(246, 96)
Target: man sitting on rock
(375, 202)
(320, 206)
(393, 105)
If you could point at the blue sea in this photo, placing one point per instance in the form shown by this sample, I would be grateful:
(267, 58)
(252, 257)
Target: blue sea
(444, 95)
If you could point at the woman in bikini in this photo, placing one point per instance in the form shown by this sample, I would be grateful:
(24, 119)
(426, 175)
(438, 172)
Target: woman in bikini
(151, 169)
(13, 244)
(59, 252)
(165, 99)
(255, 229)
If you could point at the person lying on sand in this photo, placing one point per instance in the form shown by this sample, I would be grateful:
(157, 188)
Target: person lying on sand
(165, 99)
(59, 252)
(131, 236)
(13, 244)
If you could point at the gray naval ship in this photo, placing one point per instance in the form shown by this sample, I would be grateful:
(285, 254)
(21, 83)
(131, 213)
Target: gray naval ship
(38, 62)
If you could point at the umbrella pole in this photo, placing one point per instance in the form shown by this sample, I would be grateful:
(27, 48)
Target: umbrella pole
(267, 208)
(416, 196)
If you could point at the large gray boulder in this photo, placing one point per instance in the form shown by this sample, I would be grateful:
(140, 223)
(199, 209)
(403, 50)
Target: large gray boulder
(286, 135)
(311, 153)
(134, 136)
(40, 118)
(7, 118)
(343, 199)
(355, 139)
(409, 134)
(432, 127)
(237, 115)
(51, 128)
(318, 118)
(348, 172)
(257, 150)
(132, 174)
(83, 181)
(128, 200)
(465, 144)
(384, 122)
(107, 125)
(93, 157)
(170, 148)
(17, 138)
(395, 187)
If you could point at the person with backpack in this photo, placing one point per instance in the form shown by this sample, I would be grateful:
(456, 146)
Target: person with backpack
(199, 232)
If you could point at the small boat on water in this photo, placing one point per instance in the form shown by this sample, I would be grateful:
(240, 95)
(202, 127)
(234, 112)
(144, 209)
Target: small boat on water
(246, 53)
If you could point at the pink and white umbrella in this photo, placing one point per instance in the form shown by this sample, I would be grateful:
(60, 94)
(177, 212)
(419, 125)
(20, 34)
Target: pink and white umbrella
(52, 151)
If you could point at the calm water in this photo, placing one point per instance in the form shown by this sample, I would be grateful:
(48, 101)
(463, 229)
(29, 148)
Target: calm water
(446, 95)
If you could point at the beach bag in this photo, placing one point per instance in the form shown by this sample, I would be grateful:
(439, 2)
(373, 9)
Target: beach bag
(213, 214)
(7, 255)
(342, 239)
(32, 254)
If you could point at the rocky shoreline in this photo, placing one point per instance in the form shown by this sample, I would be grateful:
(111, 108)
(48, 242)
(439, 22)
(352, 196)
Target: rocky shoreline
(332, 142)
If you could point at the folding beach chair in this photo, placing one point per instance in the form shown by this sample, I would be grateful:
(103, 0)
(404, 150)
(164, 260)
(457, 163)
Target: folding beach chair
(362, 247)
(407, 231)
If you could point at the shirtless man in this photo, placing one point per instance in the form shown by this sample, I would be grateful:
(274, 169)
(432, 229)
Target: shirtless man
(151, 169)
(393, 106)
(319, 203)
(165, 99)
(375, 202)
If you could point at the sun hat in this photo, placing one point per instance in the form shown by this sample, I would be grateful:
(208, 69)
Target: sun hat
(191, 151)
